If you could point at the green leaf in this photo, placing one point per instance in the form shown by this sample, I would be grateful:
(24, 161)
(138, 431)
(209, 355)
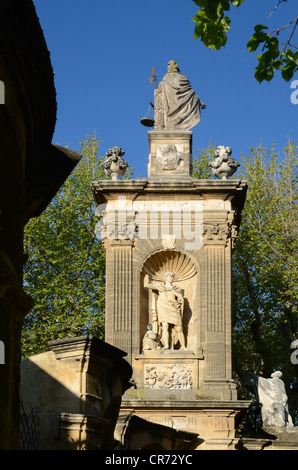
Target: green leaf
(259, 27)
(288, 72)
(237, 3)
(258, 37)
(213, 35)
(211, 23)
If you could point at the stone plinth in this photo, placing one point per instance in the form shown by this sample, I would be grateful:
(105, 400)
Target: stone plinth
(76, 390)
(170, 154)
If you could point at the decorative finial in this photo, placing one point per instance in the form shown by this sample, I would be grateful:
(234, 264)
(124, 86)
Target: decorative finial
(114, 165)
(223, 165)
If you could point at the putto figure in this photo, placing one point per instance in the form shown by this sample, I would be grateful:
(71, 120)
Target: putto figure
(175, 103)
(114, 165)
(150, 340)
(223, 165)
(168, 313)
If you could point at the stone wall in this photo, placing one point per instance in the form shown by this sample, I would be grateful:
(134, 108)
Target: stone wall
(76, 390)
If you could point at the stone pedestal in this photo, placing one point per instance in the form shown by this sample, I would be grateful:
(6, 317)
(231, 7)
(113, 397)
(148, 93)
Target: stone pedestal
(173, 223)
(170, 154)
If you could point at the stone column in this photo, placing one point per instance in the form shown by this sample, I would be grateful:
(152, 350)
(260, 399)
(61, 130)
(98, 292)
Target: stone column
(217, 244)
(119, 294)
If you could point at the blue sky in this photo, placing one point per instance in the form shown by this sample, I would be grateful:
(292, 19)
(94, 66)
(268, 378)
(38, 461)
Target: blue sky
(102, 52)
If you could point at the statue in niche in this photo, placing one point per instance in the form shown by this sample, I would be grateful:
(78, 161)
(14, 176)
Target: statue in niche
(150, 340)
(272, 395)
(167, 311)
(176, 104)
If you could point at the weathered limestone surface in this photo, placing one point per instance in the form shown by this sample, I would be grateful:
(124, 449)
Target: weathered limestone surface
(135, 433)
(170, 154)
(274, 438)
(173, 223)
(76, 390)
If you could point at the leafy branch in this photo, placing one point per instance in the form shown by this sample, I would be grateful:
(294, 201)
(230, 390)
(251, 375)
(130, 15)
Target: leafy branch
(212, 26)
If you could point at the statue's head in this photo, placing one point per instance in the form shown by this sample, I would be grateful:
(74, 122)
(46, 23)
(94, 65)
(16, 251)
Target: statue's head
(173, 66)
(169, 276)
(277, 374)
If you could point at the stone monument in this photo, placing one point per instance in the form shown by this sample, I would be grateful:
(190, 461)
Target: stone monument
(168, 241)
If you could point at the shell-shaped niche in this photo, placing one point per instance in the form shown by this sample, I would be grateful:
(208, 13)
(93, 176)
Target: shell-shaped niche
(169, 261)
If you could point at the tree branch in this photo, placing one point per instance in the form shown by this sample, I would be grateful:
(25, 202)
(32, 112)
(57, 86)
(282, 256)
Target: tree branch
(286, 43)
(276, 6)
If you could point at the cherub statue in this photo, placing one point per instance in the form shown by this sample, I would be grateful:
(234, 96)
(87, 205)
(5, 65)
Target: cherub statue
(114, 165)
(223, 165)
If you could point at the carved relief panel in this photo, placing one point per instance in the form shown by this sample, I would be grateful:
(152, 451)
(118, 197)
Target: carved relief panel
(170, 376)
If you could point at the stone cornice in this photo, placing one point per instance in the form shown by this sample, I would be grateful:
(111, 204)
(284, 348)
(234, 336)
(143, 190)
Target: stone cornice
(215, 189)
(203, 405)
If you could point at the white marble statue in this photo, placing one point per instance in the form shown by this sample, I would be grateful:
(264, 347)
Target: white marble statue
(272, 395)
(176, 106)
(169, 310)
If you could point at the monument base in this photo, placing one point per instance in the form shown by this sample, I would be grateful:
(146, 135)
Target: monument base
(212, 421)
(274, 438)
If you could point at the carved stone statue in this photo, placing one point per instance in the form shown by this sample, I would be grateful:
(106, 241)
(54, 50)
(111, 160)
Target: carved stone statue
(150, 340)
(176, 105)
(223, 164)
(272, 395)
(168, 313)
(114, 165)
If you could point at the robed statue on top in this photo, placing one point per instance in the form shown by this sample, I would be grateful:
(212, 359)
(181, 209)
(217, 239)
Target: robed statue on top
(176, 105)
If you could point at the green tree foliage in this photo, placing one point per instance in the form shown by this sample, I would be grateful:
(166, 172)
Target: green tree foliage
(65, 270)
(265, 274)
(200, 167)
(212, 26)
